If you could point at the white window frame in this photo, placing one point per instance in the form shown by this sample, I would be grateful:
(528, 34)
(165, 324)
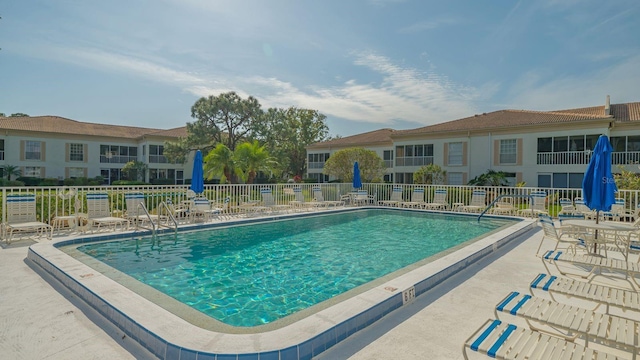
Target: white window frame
(455, 154)
(76, 172)
(508, 151)
(32, 171)
(76, 152)
(32, 150)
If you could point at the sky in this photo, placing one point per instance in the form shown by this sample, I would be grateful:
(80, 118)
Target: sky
(365, 64)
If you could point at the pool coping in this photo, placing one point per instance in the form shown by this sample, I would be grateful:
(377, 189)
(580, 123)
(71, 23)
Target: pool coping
(168, 336)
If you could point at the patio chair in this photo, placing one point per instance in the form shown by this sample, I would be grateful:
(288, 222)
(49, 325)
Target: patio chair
(581, 323)
(596, 263)
(566, 208)
(320, 201)
(505, 341)
(362, 197)
(417, 199)
(300, 203)
(618, 211)
(99, 212)
(136, 210)
(566, 237)
(624, 299)
(395, 199)
(21, 217)
(439, 201)
(478, 202)
(504, 207)
(269, 203)
(179, 212)
(583, 209)
(202, 207)
(536, 204)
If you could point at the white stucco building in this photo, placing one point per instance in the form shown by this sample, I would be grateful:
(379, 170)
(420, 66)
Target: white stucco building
(59, 148)
(541, 148)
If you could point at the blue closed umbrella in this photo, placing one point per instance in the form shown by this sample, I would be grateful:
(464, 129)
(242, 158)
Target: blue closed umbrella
(197, 175)
(598, 186)
(357, 182)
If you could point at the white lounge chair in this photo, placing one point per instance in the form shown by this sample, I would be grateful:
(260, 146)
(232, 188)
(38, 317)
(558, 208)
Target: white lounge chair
(439, 201)
(320, 201)
(395, 199)
(417, 199)
(201, 207)
(596, 263)
(21, 217)
(99, 212)
(505, 341)
(300, 203)
(536, 204)
(269, 203)
(478, 202)
(136, 209)
(611, 330)
(504, 207)
(600, 294)
(618, 211)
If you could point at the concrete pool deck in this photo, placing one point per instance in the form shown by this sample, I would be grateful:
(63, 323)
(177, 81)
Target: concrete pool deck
(42, 319)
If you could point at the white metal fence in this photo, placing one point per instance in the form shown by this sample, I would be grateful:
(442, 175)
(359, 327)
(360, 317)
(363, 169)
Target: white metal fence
(62, 201)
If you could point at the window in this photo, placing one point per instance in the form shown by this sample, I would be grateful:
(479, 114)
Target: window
(560, 180)
(32, 150)
(508, 151)
(560, 144)
(455, 153)
(1, 149)
(31, 171)
(118, 154)
(619, 143)
(76, 152)
(76, 172)
(633, 143)
(455, 178)
(387, 155)
(545, 145)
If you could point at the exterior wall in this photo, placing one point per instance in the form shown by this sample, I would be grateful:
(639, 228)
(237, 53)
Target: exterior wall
(57, 164)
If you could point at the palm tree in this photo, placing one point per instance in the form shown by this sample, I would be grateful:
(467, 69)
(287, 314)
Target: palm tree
(220, 161)
(252, 158)
(10, 170)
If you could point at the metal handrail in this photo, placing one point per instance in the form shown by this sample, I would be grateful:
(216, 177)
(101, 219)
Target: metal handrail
(144, 208)
(163, 205)
(503, 196)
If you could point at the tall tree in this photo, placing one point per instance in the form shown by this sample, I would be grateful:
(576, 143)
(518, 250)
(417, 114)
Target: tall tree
(18, 115)
(226, 118)
(429, 174)
(286, 134)
(135, 170)
(340, 165)
(252, 158)
(220, 162)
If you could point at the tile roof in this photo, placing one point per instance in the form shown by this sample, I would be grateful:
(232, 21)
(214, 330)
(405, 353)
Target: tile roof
(515, 118)
(377, 137)
(60, 125)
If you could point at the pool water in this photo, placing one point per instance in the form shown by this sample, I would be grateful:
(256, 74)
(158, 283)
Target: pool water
(255, 274)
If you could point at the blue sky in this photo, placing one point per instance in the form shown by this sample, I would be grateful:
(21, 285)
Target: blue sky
(365, 64)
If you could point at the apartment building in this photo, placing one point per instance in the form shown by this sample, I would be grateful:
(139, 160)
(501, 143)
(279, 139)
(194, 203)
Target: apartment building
(55, 147)
(541, 148)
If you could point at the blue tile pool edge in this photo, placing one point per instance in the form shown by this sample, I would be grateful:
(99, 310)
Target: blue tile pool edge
(303, 350)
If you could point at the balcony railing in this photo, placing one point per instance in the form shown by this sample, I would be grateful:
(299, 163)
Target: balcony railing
(388, 163)
(315, 165)
(414, 160)
(117, 159)
(159, 159)
(583, 158)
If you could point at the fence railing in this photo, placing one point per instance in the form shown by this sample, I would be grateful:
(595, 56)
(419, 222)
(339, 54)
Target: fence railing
(62, 201)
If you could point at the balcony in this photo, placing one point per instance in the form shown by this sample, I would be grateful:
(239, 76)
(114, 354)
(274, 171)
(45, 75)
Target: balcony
(117, 159)
(315, 165)
(414, 160)
(583, 158)
(158, 159)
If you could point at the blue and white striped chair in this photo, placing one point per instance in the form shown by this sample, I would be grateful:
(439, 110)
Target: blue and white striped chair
(417, 199)
(395, 199)
(21, 217)
(99, 212)
(536, 204)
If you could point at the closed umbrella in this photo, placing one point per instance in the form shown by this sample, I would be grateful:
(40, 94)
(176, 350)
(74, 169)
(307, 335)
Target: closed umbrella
(197, 175)
(357, 182)
(598, 186)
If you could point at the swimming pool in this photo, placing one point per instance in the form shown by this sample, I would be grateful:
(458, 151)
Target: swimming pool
(170, 336)
(253, 275)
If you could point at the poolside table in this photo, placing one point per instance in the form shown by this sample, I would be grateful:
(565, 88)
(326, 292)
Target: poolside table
(606, 232)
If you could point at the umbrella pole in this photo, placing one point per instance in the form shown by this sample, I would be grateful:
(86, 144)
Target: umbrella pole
(595, 244)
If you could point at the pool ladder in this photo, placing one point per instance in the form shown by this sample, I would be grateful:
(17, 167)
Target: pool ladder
(503, 196)
(155, 226)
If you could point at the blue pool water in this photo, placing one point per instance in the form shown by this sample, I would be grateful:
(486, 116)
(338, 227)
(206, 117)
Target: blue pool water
(254, 274)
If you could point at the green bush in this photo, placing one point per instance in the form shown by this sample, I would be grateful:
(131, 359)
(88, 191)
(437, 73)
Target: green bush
(30, 181)
(128, 182)
(49, 182)
(162, 181)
